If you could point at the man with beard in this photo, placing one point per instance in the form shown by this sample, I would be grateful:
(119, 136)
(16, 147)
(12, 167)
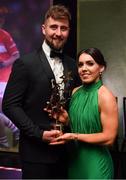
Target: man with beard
(27, 93)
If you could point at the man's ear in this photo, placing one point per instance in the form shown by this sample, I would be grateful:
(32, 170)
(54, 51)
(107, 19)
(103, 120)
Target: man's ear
(43, 28)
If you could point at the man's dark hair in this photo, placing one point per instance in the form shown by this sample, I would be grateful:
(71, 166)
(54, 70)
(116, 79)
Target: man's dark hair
(58, 12)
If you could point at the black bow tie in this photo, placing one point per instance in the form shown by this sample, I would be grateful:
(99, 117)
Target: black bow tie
(54, 54)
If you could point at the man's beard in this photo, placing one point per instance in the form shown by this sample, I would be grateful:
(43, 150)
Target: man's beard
(53, 47)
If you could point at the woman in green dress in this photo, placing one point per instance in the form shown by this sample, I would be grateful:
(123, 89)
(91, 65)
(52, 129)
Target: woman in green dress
(93, 116)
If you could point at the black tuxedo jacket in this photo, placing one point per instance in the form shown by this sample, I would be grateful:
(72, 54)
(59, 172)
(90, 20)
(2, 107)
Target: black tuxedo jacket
(26, 94)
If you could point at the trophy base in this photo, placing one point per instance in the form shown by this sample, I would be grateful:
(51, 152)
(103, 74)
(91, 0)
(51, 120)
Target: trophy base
(58, 127)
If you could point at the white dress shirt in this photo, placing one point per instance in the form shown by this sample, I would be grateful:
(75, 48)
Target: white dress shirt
(56, 66)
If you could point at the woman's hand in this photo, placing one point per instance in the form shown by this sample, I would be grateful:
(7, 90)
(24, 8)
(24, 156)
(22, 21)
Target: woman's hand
(67, 137)
(64, 138)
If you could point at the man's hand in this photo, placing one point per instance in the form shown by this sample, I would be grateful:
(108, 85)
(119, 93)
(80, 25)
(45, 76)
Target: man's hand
(50, 136)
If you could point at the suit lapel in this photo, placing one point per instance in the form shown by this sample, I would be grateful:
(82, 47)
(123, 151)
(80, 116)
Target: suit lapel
(46, 65)
(47, 68)
(65, 65)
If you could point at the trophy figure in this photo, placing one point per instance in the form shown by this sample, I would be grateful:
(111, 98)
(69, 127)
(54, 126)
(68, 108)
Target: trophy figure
(57, 101)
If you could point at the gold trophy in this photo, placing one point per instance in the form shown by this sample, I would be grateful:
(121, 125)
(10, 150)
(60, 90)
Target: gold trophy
(56, 101)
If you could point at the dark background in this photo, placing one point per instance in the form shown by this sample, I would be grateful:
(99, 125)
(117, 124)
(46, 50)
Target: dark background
(24, 20)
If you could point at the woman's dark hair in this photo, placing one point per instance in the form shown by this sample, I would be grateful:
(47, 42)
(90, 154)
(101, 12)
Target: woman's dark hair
(96, 54)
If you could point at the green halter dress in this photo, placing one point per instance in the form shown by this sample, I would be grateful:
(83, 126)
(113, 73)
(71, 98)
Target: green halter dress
(88, 161)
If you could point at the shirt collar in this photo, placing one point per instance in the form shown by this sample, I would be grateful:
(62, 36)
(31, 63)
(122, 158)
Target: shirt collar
(46, 49)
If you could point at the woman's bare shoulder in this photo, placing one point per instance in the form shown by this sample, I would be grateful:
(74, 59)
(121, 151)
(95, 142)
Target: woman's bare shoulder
(75, 89)
(106, 94)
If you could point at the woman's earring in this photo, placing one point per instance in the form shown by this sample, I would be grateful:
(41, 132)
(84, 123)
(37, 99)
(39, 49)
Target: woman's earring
(100, 74)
